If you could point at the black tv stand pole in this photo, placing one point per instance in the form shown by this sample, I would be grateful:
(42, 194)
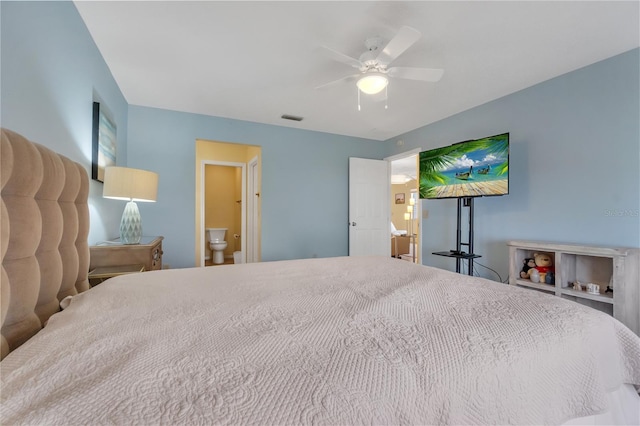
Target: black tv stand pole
(458, 253)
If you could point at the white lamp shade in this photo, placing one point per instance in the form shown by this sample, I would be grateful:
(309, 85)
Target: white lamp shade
(409, 209)
(407, 216)
(123, 183)
(412, 201)
(372, 83)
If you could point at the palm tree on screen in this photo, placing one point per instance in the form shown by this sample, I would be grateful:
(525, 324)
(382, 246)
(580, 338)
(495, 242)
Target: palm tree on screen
(434, 162)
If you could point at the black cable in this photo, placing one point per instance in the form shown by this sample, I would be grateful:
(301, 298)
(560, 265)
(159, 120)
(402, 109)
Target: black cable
(494, 271)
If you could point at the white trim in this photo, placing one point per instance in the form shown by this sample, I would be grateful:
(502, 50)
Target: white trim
(404, 154)
(203, 239)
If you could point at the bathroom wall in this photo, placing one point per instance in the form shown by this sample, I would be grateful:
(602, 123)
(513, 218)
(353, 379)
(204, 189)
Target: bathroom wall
(236, 229)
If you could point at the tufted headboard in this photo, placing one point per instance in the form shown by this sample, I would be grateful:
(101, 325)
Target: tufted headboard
(45, 224)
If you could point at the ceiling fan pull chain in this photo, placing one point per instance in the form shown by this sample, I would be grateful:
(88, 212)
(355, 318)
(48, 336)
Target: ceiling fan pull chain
(386, 97)
(358, 99)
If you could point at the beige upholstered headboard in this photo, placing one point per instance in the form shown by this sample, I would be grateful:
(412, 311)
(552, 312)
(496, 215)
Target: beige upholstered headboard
(45, 224)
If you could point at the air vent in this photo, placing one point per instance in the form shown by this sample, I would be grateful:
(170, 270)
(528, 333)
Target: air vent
(292, 117)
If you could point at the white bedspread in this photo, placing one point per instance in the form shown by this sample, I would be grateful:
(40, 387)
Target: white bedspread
(323, 341)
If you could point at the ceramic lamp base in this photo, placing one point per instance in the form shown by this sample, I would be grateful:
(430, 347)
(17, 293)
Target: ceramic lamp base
(131, 224)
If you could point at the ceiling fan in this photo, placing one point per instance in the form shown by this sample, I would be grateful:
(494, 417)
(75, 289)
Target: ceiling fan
(373, 76)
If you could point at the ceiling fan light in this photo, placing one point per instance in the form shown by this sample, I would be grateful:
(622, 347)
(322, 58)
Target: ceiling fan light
(372, 83)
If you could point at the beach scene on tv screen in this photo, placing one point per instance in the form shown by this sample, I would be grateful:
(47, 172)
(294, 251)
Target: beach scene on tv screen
(468, 169)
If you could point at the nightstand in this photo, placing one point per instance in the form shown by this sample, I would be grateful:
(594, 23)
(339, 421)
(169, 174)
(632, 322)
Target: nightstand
(102, 273)
(113, 253)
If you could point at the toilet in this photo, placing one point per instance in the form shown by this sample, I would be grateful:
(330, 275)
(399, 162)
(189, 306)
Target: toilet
(217, 243)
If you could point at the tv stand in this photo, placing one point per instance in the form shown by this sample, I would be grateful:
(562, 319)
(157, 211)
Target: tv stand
(458, 254)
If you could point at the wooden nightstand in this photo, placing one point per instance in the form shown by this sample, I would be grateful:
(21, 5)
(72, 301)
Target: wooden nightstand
(113, 253)
(102, 273)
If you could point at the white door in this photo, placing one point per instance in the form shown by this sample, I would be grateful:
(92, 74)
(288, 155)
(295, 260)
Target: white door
(252, 212)
(369, 228)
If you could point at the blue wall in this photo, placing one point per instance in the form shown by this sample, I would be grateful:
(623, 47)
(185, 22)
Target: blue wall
(574, 157)
(574, 164)
(51, 73)
(304, 190)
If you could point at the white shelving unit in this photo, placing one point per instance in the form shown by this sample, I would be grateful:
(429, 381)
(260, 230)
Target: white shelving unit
(615, 266)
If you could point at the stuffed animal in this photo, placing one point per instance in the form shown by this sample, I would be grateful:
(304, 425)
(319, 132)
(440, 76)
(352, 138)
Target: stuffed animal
(544, 264)
(534, 275)
(528, 263)
(550, 278)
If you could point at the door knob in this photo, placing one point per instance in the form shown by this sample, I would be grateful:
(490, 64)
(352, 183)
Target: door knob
(353, 224)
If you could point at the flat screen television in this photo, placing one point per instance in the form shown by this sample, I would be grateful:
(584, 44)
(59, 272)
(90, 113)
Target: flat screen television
(475, 168)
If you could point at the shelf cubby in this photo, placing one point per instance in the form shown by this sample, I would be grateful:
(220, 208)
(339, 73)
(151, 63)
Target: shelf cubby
(616, 268)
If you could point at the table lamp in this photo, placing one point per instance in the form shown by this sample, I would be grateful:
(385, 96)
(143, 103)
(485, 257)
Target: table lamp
(123, 183)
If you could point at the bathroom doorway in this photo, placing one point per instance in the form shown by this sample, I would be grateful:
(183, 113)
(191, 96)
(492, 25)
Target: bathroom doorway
(224, 198)
(228, 182)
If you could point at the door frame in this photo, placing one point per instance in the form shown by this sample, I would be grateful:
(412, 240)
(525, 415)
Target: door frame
(243, 226)
(415, 151)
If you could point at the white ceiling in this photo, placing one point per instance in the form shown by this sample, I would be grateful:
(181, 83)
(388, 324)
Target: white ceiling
(404, 169)
(258, 60)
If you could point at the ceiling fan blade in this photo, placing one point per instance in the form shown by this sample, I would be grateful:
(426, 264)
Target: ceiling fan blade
(346, 79)
(410, 73)
(341, 57)
(401, 42)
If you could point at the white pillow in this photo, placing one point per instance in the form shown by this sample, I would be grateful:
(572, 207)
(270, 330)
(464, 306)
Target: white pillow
(394, 231)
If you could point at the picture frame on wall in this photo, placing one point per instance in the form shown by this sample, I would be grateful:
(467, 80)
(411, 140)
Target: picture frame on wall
(400, 198)
(105, 143)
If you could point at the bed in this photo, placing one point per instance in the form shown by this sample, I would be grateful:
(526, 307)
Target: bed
(361, 340)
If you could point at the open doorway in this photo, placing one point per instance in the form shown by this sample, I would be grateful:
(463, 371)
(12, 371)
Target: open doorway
(224, 197)
(228, 182)
(405, 211)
